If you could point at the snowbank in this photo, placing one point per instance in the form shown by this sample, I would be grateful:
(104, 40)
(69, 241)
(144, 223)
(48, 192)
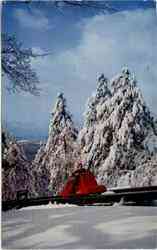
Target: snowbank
(115, 227)
(49, 206)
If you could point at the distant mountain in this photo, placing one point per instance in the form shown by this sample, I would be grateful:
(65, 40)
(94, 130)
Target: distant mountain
(26, 131)
(30, 148)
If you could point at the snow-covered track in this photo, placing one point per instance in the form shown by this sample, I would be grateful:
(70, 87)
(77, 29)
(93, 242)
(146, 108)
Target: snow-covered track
(142, 195)
(133, 189)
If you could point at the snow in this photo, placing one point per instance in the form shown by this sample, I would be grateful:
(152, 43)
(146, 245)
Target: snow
(49, 206)
(73, 227)
(119, 187)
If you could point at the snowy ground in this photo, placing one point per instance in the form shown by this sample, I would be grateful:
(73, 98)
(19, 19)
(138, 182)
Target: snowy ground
(71, 227)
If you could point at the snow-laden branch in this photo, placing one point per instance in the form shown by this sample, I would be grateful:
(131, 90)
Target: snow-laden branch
(16, 64)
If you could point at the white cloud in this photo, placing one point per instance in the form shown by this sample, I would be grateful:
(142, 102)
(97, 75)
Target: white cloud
(108, 43)
(35, 19)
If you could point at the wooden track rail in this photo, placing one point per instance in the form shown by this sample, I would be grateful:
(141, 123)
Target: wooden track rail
(142, 195)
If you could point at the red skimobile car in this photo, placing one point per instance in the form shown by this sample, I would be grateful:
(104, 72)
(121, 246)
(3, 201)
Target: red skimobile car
(81, 182)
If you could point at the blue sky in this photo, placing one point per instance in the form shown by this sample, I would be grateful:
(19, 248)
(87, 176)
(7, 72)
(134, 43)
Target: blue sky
(83, 44)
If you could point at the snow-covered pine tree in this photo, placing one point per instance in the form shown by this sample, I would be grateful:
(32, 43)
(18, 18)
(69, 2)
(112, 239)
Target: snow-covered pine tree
(16, 172)
(54, 162)
(88, 138)
(119, 133)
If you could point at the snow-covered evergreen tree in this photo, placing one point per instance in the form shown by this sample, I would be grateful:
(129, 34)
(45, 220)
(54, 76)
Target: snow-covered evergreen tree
(16, 172)
(87, 136)
(54, 162)
(121, 124)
